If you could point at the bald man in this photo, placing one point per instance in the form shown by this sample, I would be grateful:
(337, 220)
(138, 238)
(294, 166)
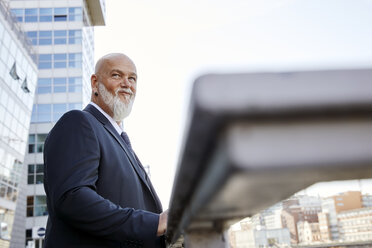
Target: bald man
(98, 193)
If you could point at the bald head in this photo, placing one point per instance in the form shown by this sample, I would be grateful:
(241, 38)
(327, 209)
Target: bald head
(109, 59)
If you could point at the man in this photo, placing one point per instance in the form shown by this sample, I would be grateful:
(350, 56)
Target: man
(98, 193)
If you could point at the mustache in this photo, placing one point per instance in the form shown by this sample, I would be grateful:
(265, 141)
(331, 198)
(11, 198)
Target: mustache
(126, 90)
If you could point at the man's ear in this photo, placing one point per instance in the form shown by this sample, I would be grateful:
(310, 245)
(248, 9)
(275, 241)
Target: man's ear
(94, 82)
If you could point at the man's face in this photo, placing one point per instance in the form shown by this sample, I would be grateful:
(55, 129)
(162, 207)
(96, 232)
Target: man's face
(117, 84)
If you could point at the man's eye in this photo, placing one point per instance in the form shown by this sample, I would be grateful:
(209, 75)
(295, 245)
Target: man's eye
(116, 75)
(133, 79)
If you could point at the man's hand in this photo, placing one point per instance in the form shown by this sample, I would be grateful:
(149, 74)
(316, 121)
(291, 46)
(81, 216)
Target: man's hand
(163, 219)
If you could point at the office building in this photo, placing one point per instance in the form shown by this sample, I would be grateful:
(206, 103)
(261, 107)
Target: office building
(355, 225)
(61, 33)
(18, 76)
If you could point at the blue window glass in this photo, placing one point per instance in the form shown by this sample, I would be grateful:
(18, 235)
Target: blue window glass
(47, 41)
(74, 84)
(60, 64)
(31, 15)
(59, 56)
(60, 14)
(59, 84)
(18, 12)
(76, 105)
(32, 11)
(45, 57)
(60, 33)
(60, 11)
(44, 85)
(32, 34)
(75, 10)
(45, 34)
(33, 37)
(60, 18)
(45, 65)
(58, 110)
(45, 18)
(59, 41)
(33, 115)
(60, 37)
(46, 11)
(43, 112)
(30, 18)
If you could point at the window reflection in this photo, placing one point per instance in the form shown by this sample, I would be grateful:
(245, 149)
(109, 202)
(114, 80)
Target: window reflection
(48, 14)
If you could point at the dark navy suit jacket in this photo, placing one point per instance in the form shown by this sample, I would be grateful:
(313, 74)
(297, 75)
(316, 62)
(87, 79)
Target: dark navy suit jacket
(97, 192)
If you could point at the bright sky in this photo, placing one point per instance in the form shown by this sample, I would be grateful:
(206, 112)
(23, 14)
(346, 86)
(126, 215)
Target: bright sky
(173, 42)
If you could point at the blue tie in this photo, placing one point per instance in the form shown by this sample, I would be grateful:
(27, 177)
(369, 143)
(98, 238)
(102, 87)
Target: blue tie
(125, 137)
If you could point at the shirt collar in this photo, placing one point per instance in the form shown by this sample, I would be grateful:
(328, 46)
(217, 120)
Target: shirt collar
(112, 121)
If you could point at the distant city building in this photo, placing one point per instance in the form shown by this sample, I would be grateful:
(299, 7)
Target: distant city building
(367, 201)
(62, 35)
(308, 232)
(329, 208)
(348, 200)
(272, 238)
(297, 209)
(355, 225)
(250, 235)
(324, 227)
(18, 76)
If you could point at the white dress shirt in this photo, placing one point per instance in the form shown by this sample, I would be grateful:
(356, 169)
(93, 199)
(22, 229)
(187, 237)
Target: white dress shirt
(112, 121)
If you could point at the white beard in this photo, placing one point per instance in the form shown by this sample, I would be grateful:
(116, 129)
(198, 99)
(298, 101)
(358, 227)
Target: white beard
(120, 109)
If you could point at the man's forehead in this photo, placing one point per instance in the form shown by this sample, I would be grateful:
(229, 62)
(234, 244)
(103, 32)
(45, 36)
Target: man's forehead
(115, 62)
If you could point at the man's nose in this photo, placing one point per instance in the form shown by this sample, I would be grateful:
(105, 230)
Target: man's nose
(125, 83)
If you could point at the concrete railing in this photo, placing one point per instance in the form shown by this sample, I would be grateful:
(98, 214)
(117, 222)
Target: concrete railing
(255, 139)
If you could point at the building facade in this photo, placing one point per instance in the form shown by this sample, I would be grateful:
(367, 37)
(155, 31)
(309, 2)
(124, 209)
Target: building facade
(18, 76)
(355, 225)
(62, 35)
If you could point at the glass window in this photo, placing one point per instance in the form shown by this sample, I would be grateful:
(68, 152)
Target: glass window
(31, 15)
(18, 12)
(46, 18)
(72, 106)
(40, 205)
(30, 206)
(60, 33)
(74, 84)
(35, 174)
(59, 85)
(43, 112)
(58, 111)
(32, 11)
(32, 34)
(60, 37)
(45, 57)
(60, 11)
(74, 37)
(31, 143)
(45, 33)
(59, 56)
(60, 14)
(46, 11)
(75, 14)
(46, 14)
(30, 18)
(45, 61)
(44, 85)
(2, 189)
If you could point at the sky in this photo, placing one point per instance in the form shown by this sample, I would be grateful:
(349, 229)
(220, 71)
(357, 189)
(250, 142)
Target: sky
(172, 42)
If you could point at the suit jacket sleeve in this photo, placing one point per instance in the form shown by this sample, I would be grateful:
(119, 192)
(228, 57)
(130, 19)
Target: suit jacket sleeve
(71, 158)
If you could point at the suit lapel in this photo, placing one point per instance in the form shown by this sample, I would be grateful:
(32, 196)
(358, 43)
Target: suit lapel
(106, 123)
